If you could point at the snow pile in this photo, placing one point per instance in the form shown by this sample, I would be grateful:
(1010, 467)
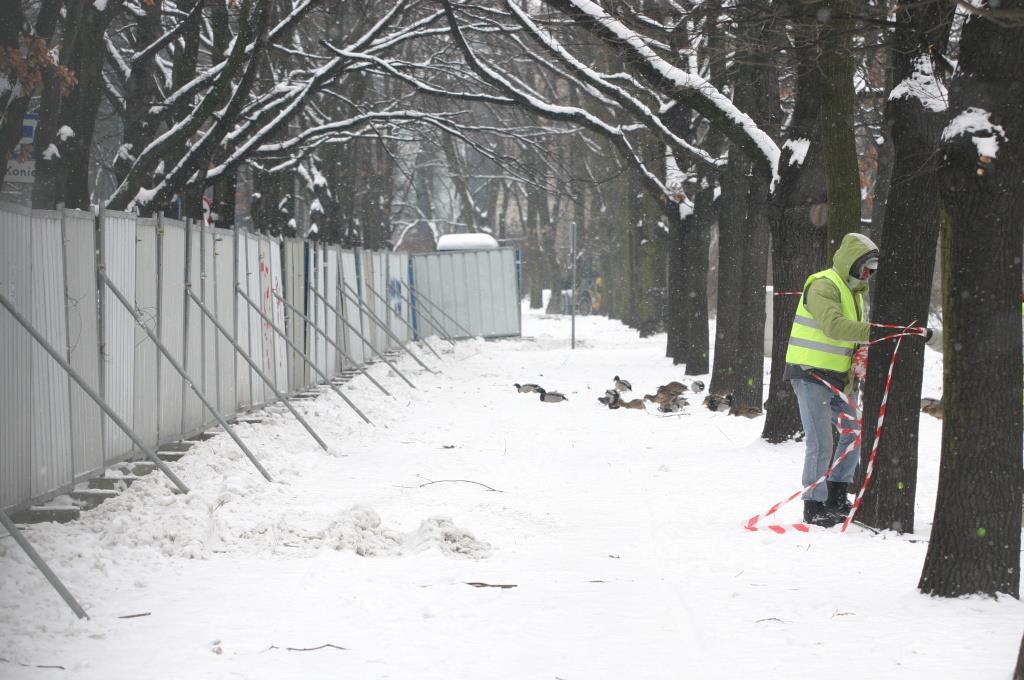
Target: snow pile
(441, 533)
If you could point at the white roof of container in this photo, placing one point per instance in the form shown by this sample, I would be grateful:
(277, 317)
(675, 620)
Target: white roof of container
(466, 242)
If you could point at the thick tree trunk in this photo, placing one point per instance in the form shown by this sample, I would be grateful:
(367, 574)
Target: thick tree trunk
(839, 149)
(693, 347)
(732, 222)
(975, 538)
(533, 255)
(904, 281)
(798, 229)
(647, 240)
(1018, 672)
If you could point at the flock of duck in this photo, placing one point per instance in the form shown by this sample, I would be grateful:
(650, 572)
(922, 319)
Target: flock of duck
(668, 398)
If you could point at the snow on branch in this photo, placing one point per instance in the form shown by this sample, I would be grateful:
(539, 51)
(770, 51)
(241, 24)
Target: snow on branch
(922, 85)
(527, 98)
(601, 83)
(672, 81)
(975, 122)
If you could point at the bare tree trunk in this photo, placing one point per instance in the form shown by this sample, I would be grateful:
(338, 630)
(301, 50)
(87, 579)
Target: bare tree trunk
(732, 220)
(975, 539)
(904, 281)
(835, 68)
(798, 239)
(1018, 672)
(693, 348)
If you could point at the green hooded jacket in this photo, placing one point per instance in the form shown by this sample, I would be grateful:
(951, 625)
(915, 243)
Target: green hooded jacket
(823, 302)
(822, 297)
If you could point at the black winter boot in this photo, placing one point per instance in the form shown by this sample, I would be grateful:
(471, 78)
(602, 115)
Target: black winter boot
(816, 513)
(838, 502)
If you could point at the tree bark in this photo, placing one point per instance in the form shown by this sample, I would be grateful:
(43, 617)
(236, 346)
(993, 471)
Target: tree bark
(732, 217)
(904, 281)
(839, 149)
(1018, 672)
(798, 228)
(693, 348)
(975, 538)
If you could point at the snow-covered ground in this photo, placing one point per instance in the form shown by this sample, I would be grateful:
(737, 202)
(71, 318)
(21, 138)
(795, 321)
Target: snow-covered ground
(621, 533)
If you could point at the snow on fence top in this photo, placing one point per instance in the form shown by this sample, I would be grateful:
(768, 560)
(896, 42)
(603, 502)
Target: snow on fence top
(466, 242)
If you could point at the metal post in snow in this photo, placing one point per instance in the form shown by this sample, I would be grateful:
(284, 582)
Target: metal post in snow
(41, 565)
(362, 369)
(295, 348)
(256, 369)
(137, 316)
(572, 295)
(402, 319)
(366, 342)
(87, 388)
(380, 322)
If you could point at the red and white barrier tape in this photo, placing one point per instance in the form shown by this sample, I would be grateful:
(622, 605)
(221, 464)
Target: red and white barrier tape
(752, 523)
(869, 471)
(857, 424)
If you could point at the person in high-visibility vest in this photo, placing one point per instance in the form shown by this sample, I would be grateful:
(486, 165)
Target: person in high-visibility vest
(829, 326)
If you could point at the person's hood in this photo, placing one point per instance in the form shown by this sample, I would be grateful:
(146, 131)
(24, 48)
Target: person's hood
(854, 248)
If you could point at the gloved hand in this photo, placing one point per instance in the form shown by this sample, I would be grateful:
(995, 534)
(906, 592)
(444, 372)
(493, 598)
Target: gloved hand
(860, 363)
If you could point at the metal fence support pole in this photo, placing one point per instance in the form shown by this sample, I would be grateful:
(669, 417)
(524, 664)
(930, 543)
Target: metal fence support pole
(427, 315)
(305, 357)
(252, 364)
(148, 452)
(361, 368)
(380, 322)
(400, 318)
(41, 565)
(368, 344)
(438, 308)
(137, 315)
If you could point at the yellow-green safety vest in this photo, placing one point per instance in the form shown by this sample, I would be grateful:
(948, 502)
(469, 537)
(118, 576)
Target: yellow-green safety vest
(808, 344)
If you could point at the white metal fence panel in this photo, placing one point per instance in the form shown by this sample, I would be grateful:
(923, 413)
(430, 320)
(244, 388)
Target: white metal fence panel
(258, 332)
(51, 434)
(349, 281)
(508, 315)
(83, 337)
(280, 373)
(321, 312)
(398, 265)
(209, 331)
(295, 293)
(371, 311)
(224, 287)
(477, 289)
(330, 325)
(375, 299)
(170, 321)
(146, 382)
(192, 417)
(118, 329)
(268, 359)
(15, 359)
(51, 417)
(243, 373)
